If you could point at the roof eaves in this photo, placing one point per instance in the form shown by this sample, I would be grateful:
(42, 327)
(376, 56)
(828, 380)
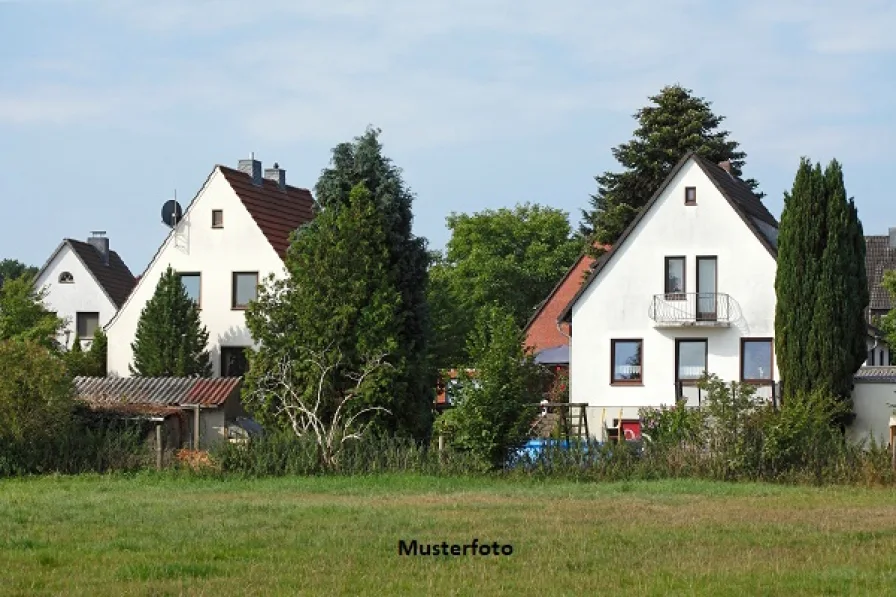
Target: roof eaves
(544, 303)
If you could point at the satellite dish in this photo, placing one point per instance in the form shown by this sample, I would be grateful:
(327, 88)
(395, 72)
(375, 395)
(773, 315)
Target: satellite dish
(171, 213)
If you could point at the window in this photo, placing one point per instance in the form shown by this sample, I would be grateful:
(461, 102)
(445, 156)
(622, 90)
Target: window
(690, 359)
(756, 364)
(233, 361)
(217, 218)
(245, 287)
(66, 278)
(675, 269)
(690, 196)
(625, 360)
(86, 324)
(192, 283)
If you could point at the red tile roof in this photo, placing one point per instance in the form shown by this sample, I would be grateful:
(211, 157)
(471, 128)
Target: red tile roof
(541, 331)
(156, 391)
(276, 211)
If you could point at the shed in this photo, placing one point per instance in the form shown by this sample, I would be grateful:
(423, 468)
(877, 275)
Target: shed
(210, 403)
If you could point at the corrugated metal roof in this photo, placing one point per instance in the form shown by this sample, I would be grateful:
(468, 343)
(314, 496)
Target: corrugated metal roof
(167, 391)
(876, 375)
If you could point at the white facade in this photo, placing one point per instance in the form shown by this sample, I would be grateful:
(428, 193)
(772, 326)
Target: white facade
(617, 303)
(71, 289)
(216, 253)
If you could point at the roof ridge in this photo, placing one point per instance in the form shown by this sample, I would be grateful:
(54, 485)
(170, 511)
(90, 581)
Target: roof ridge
(232, 169)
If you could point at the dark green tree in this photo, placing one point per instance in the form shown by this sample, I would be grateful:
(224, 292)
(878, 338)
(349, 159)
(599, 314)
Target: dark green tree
(676, 123)
(820, 285)
(91, 363)
(170, 338)
(11, 269)
(495, 410)
(338, 309)
(506, 257)
(23, 315)
(363, 161)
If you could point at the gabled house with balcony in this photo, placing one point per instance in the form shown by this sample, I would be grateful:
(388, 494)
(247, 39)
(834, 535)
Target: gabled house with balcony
(233, 234)
(85, 284)
(689, 287)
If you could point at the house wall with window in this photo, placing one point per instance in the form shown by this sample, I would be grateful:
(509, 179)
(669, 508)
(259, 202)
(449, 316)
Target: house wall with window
(222, 255)
(75, 296)
(693, 263)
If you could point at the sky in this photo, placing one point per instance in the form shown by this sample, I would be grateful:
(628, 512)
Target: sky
(109, 107)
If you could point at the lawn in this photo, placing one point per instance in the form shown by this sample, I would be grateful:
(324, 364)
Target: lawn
(154, 535)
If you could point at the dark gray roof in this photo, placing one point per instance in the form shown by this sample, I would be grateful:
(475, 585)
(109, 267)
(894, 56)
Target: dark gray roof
(876, 375)
(115, 278)
(879, 257)
(558, 355)
(741, 198)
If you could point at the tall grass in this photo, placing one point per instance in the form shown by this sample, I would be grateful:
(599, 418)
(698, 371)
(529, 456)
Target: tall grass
(88, 443)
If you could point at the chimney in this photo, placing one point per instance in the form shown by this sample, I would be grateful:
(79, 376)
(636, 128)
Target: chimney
(892, 232)
(726, 166)
(252, 167)
(277, 175)
(100, 242)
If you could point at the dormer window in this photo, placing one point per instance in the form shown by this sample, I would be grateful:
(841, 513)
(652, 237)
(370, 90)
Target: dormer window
(690, 196)
(66, 278)
(217, 218)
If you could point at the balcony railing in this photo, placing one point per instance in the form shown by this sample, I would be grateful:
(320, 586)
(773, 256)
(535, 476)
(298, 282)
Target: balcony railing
(678, 309)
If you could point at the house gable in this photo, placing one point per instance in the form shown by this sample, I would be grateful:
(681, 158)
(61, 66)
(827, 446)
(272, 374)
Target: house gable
(79, 292)
(216, 250)
(749, 209)
(618, 301)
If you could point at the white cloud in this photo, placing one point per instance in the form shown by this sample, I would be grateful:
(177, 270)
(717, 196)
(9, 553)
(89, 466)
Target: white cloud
(439, 72)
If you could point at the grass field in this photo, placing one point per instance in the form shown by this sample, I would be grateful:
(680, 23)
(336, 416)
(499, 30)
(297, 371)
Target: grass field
(339, 536)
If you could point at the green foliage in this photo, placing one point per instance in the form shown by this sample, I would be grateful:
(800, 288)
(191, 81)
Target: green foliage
(362, 162)
(338, 309)
(821, 286)
(887, 323)
(495, 411)
(35, 392)
(91, 363)
(506, 257)
(12, 269)
(23, 315)
(170, 338)
(675, 425)
(678, 122)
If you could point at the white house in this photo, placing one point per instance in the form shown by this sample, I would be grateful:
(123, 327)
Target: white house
(232, 235)
(689, 287)
(86, 283)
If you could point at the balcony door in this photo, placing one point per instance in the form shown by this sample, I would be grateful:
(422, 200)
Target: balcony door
(707, 285)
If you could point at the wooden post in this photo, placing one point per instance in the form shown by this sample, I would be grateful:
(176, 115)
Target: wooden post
(159, 446)
(196, 429)
(441, 442)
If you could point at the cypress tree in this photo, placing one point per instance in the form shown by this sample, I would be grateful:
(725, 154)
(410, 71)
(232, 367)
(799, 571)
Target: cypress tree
(820, 285)
(678, 122)
(170, 338)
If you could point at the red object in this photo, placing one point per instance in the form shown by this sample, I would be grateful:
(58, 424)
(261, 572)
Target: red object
(631, 429)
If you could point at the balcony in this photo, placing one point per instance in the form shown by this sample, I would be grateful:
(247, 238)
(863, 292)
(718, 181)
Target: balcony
(692, 309)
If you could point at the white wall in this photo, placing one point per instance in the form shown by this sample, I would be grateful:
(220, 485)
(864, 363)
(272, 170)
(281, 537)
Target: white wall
(616, 303)
(870, 401)
(881, 353)
(216, 254)
(84, 294)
